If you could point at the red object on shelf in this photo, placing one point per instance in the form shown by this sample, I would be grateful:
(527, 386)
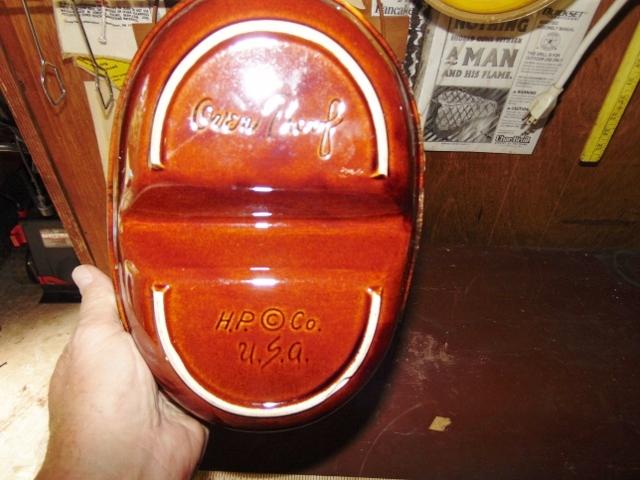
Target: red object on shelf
(17, 236)
(49, 280)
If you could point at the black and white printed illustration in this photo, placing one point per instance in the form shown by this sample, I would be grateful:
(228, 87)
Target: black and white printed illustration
(464, 114)
(477, 81)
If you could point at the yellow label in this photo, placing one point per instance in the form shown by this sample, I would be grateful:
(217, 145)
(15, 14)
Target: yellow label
(616, 101)
(116, 69)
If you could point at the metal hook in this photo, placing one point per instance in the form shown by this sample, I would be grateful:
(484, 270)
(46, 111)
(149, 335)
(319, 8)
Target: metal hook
(156, 5)
(45, 65)
(103, 23)
(383, 27)
(101, 73)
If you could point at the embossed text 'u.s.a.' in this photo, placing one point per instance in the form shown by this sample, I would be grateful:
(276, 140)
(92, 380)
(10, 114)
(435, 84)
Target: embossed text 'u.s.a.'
(271, 350)
(277, 117)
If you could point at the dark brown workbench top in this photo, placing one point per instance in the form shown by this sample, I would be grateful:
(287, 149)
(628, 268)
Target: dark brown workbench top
(533, 355)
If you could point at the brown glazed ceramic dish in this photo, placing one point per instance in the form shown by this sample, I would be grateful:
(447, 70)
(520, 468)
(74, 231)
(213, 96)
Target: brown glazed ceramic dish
(266, 190)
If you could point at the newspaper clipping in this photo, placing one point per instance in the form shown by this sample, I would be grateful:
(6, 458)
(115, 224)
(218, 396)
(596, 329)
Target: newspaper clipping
(480, 78)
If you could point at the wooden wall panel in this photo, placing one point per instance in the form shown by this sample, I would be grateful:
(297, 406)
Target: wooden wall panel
(543, 200)
(548, 199)
(40, 156)
(66, 131)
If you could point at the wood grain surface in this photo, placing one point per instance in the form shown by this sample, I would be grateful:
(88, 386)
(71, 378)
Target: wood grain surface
(548, 199)
(65, 132)
(40, 156)
(542, 200)
(530, 355)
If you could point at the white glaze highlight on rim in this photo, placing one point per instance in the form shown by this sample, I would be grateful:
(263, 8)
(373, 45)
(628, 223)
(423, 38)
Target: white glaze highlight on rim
(375, 303)
(282, 27)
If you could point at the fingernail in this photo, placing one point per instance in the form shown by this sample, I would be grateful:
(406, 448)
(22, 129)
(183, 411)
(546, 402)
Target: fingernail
(82, 276)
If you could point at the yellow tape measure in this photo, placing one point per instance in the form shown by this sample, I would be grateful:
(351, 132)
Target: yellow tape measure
(615, 102)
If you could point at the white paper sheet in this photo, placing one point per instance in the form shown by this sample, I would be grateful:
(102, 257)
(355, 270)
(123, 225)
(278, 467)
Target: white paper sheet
(109, 31)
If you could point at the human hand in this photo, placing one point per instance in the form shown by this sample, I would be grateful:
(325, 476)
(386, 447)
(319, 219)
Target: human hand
(107, 418)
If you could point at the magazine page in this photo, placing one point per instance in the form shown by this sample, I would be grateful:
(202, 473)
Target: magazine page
(479, 79)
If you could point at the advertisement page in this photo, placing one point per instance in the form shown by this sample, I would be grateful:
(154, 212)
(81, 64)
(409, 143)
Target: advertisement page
(480, 78)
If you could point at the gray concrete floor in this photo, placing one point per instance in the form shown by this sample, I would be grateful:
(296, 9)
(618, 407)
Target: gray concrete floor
(32, 336)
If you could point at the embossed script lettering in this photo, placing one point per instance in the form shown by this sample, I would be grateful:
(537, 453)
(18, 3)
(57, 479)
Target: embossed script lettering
(276, 118)
(207, 116)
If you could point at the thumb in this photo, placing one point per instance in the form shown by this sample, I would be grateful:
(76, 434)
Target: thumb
(98, 299)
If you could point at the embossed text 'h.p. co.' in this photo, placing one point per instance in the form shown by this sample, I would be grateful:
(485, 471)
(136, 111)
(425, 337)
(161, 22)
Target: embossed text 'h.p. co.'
(277, 117)
(274, 349)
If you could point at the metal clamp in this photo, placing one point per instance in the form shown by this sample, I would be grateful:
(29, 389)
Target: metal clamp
(45, 65)
(101, 73)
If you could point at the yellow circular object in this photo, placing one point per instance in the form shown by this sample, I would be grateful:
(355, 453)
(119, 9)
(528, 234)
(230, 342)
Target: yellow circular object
(488, 11)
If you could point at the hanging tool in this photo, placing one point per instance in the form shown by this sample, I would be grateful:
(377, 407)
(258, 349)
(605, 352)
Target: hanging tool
(103, 24)
(156, 6)
(617, 99)
(45, 65)
(383, 29)
(100, 72)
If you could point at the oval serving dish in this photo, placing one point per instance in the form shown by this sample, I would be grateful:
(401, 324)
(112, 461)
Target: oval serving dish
(266, 189)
